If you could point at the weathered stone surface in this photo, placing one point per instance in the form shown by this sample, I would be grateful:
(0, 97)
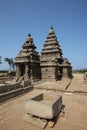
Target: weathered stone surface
(44, 105)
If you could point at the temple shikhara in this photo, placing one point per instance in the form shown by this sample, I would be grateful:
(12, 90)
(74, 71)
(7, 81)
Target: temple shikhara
(49, 66)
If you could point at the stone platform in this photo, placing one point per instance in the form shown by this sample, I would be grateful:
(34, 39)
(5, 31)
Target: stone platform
(53, 85)
(76, 85)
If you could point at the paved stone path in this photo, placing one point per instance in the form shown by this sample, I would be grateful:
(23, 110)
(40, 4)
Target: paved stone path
(78, 84)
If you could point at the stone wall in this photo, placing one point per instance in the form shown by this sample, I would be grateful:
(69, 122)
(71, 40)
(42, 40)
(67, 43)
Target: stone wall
(8, 91)
(48, 73)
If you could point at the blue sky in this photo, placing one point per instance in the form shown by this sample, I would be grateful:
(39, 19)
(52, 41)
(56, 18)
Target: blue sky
(69, 20)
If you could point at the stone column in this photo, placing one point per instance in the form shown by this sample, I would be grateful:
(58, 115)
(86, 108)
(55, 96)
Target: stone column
(26, 71)
(18, 70)
(31, 75)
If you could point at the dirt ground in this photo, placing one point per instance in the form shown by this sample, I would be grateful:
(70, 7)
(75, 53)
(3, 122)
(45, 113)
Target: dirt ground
(75, 109)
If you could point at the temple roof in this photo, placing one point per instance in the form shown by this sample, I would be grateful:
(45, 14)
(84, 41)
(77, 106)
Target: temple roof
(29, 42)
(51, 42)
(66, 62)
(27, 51)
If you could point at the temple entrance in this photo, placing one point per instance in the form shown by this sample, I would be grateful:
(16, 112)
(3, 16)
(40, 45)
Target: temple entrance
(22, 69)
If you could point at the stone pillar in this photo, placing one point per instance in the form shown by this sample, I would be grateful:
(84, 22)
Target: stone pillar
(26, 71)
(31, 75)
(18, 72)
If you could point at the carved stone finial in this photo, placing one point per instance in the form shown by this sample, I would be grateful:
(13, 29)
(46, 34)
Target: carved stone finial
(29, 35)
(51, 26)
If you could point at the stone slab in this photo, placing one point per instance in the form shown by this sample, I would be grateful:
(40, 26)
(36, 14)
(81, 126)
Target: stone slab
(35, 121)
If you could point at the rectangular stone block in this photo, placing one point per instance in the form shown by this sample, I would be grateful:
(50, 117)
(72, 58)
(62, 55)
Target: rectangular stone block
(45, 106)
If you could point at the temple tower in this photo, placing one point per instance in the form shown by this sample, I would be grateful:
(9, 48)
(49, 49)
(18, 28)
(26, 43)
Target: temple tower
(51, 57)
(28, 61)
(52, 62)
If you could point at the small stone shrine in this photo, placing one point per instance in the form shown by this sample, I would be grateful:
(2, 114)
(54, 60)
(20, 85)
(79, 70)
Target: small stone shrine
(28, 61)
(49, 66)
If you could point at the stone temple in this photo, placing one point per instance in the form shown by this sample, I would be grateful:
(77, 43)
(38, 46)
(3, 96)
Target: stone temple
(28, 62)
(49, 66)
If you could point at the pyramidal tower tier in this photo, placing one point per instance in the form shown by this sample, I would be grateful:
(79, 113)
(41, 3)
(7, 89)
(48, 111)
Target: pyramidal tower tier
(51, 58)
(27, 61)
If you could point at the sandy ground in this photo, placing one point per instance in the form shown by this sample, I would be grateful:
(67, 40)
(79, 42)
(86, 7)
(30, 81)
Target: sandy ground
(75, 111)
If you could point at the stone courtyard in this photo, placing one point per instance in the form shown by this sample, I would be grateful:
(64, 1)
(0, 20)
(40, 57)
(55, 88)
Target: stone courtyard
(74, 115)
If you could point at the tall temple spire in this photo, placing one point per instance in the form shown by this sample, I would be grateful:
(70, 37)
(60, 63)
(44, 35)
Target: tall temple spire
(51, 56)
(52, 62)
(51, 44)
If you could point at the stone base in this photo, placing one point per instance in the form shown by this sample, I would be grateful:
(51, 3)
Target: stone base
(35, 121)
